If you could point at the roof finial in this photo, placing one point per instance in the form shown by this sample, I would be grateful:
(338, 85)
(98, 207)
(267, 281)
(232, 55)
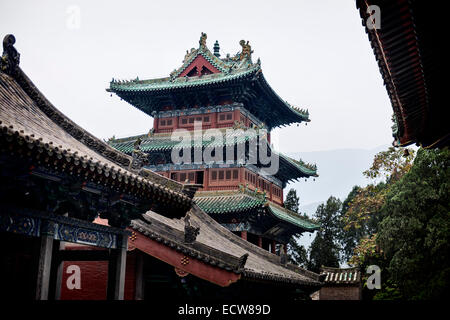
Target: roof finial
(246, 50)
(10, 58)
(190, 232)
(202, 40)
(216, 49)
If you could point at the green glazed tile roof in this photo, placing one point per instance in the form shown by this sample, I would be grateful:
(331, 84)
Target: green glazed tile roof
(148, 95)
(178, 83)
(290, 169)
(292, 217)
(304, 167)
(221, 202)
(163, 142)
(227, 202)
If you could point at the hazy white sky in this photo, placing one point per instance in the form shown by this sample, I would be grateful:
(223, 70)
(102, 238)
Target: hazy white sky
(314, 54)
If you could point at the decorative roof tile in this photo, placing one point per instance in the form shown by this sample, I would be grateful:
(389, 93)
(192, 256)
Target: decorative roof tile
(244, 200)
(292, 217)
(336, 276)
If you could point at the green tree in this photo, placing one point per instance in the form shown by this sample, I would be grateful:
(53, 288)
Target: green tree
(362, 213)
(415, 233)
(292, 201)
(324, 249)
(297, 253)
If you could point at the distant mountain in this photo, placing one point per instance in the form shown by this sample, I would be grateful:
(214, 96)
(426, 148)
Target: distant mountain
(310, 208)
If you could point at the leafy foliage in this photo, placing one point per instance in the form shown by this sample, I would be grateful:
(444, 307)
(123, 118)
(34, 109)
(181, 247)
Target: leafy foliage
(415, 232)
(361, 214)
(297, 253)
(402, 224)
(324, 250)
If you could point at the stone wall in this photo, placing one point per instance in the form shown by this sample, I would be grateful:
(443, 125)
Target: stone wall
(340, 293)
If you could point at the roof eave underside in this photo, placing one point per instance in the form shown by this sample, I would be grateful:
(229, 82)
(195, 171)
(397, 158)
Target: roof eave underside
(407, 51)
(61, 133)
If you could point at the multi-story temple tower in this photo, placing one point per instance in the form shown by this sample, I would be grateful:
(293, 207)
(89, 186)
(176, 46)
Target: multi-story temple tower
(212, 122)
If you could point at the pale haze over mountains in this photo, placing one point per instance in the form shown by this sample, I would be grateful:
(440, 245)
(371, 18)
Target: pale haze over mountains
(339, 170)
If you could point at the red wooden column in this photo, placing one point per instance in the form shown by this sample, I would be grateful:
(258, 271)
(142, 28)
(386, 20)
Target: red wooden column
(244, 235)
(206, 179)
(260, 242)
(213, 119)
(273, 246)
(270, 191)
(236, 115)
(155, 124)
(175, 122)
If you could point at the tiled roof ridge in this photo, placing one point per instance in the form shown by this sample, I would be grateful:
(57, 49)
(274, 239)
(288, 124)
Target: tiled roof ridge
(247, 245)
(241, 190)
(83, 136)
(130, 85)
(305, 168)
(67, 124)
(290, 212)
(341, 276)
(173, 239)
(147, 136)
(292, 217)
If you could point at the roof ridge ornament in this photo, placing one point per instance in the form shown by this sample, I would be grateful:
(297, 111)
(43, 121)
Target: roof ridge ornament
(241, 262)
(190, 232)
(217, 49)
(140, 158)
(246, 50)
(202, 40)
(10, 59)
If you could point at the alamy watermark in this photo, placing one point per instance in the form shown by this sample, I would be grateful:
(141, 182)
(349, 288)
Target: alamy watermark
(374, 280)
(73, 19)
(232, 146)
(374, 19)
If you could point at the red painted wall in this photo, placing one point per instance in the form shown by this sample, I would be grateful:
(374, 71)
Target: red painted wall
(94, 279)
